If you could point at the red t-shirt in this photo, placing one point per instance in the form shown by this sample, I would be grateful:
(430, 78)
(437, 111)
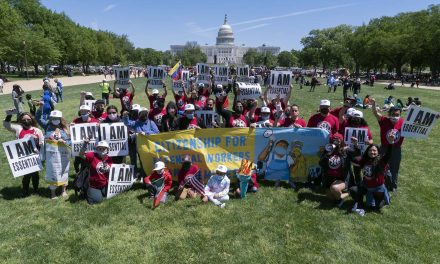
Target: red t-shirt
(370, 180)
(204, 93)
(156, 115)
(99, 170)
(329, 122)
(223, 103)
(335, 168)
(152, 100)
(387, 127)
(237, 121)
(336, 112)
(183, 174)
(168, 181)
(273, 107)
(126, 101)
(101, 117)
(184, 123)
(346, 124)
(287, 122)
(79, 120)
(180, 102)
(30, 132)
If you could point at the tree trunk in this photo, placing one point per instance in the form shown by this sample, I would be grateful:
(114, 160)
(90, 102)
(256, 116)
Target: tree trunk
(357, 70)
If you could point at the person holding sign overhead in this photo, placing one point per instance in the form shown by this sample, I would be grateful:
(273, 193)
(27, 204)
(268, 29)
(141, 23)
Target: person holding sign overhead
(125, 97)
(237, 119)
(99, 112)
(154, 96)
(99, 167)
(26, 126)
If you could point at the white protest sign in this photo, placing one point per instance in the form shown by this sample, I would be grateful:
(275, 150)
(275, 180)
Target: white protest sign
(121, 178)
(79, 132)
(185, 76)
(22, 157)
(242, 73)
(122, 76)
(221, 74)
(418, 122)
(248, 90)
(203, 75)
(360, 133)
(177, 86)
(90, 103)
(116, 135)
(208, 117)
(57, 162)
(280, 83)
(156, 76)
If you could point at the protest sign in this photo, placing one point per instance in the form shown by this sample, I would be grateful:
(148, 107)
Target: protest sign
(208, 117)
(360, 133)
(418, 122)
(203, 75)
(121, 178)
(79, 132)
(248, 90)
(57, 163)
(116, 135)
(177, 86)
(185, 76)
(221, 74)
(22, 156)
(156, 76)
(242, 73)
(229, 146)
(122, 76)
(280, 83)
(90, 103)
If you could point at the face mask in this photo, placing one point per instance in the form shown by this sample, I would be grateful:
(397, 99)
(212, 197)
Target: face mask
(190, 116)
(100, 110)
(160, 172)
(112, 116)
(143, 118)
(355, 121)
(160, 104)
(287, 114)
(324, 111)
(264, 118)
(123, 91)
(26, 123)
(186, 165)
(250, 105)
(102, 153)
(56, 122)
(239, 110)
(85, 117)
(394, 119)
(280, 151)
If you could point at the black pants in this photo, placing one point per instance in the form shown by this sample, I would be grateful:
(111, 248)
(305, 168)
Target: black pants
(105, 97)
(344, 93)
(78, 164)
(312, 88)
(357, 193)
(27, 179)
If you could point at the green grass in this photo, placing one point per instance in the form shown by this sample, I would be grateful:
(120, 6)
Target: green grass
(272, 226)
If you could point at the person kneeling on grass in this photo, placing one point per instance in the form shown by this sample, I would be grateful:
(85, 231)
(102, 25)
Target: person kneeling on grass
(160, 174)
(99, 167)
(217, 188)
(186, 188)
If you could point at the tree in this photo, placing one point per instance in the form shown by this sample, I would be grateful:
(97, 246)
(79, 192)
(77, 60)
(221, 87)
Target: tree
(191, 55)
(287, 59)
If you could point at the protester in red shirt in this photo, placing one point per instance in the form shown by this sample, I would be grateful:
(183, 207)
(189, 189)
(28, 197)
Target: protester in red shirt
(264, 119)
(324, 119)
(291, 118)
(187, 170)
(154, 96)
(188, 120)
(99, 112)
(84, 116)
(159, 171)
(349, 102)
(238, 119)
(99, 163)
(125, 97)
(180, 98)
(194, 99)
(156, 114)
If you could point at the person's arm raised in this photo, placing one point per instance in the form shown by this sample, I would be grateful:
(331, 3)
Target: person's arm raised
(375, 113)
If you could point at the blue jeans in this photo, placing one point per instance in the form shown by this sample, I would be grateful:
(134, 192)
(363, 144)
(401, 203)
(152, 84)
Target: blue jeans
(95, 196)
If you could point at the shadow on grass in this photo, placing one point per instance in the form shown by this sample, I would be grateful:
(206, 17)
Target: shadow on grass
(324, 202)
(12, 193)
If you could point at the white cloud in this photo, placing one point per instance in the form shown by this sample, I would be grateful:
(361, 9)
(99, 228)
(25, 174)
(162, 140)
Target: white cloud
(109, 7)
(253, 27)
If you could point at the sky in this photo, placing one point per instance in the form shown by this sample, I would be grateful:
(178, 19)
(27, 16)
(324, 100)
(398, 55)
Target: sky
(159, 24)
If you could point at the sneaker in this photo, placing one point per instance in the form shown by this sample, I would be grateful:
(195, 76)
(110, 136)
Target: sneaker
(222, 205)
(54, 198)
(360, 212)
(254, 189)
(65, 194)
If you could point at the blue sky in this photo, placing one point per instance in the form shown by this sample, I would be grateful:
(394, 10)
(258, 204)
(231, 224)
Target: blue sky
(157, 24)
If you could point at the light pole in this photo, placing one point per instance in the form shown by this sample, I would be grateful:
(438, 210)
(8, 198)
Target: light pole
(25, 60)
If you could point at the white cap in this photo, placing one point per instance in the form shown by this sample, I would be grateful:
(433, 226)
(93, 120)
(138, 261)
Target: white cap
(155, 91)
(89, 93)
(84, 107)
(324, 102)
(357, 113)
(102, 144)
(265, 109)
(158, 166)
(143, 109)
(219, 86)
(350, 111)
(135, 107)
(201, 85)
(222, 169)
(189, 107)
(46, 81)
(56, 113)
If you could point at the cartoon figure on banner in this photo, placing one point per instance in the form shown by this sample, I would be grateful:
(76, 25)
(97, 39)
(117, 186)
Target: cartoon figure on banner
(298, 171)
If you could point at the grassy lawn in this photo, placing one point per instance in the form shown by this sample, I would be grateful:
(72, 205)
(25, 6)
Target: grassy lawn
(272, 226)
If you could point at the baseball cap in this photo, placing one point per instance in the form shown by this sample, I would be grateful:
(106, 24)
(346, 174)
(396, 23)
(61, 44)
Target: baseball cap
(155, 91)
(324, 102)
(85, 107)
(56, 113)
(189, 107)
(357, 113)
(265, 109)
(158, 166)
(222, 169)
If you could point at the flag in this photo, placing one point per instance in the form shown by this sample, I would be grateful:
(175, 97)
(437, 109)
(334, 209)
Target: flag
(245, 167)
(195, 181)
(176, 71)
(158, 191)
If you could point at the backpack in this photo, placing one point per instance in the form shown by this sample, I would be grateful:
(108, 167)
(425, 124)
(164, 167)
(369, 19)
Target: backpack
(81, 183)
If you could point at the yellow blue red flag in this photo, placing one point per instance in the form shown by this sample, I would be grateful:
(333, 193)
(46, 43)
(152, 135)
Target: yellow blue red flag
(176, 71)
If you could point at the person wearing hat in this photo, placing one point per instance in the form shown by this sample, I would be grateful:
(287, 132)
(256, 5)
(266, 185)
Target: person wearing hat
(188, 169)
(324, 119)
(189, 119)
(237, 119)
(204, 90)
(217, 188)
(159, 171)
(124, 96)
(154, 96)
(99, 163)
(105, 91)
(349, 102)
(180, 98)
(264, 119)
(222, 101)
(156, 114)
(99, 112)
(58, 90)
(290, 118)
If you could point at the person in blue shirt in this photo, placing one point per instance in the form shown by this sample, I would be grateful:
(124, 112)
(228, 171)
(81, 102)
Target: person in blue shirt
(58, 90)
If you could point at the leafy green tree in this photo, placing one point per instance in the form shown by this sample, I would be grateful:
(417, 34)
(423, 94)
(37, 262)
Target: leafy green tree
(287, 59)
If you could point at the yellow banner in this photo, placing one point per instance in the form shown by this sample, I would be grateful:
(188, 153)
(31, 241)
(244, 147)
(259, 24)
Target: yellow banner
(208, 148)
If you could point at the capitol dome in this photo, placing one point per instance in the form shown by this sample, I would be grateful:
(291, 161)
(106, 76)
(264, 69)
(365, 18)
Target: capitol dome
(225, 35)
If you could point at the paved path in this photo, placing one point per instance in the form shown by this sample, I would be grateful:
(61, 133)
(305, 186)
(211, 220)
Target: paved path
(37, 84)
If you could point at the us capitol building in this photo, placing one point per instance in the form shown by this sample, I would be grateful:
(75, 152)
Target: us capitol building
(225, 50)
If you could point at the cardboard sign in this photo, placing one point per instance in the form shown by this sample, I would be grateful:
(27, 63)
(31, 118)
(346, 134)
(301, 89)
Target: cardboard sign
(203, 75)
(207, 118)
(156, 76)
(185, 76)
(221, 74)
(418, 122)
(280, 83)
(122, 76)
(360, 133)
(79, 132)
(57, 162)
(22, 157)
(243, 73)
(116, 135)
(121, 178)
(177, 86)
(90, 103)
(248, 90)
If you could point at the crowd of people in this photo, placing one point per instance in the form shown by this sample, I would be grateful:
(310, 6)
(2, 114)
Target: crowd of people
(368, 178)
